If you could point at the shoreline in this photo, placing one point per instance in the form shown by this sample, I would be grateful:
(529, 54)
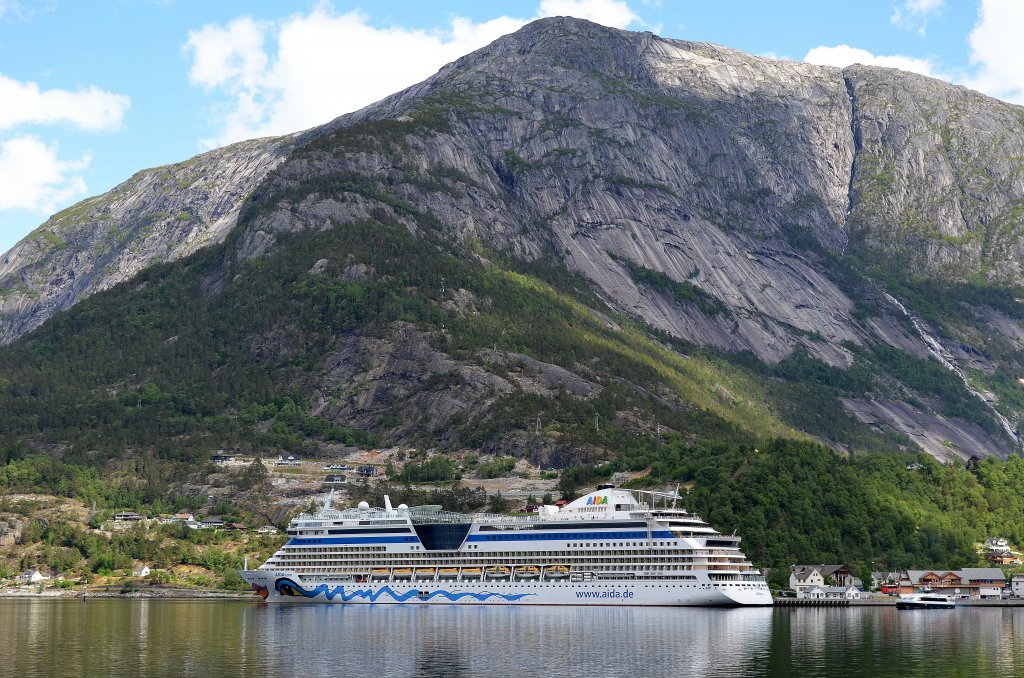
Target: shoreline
(875, 602)
(133, 593)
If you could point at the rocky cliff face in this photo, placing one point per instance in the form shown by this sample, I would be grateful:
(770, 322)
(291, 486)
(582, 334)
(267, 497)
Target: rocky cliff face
(732, 201)
(158, 215)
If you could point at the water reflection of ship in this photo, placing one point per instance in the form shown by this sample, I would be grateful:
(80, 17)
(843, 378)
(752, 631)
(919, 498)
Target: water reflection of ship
(492, 640)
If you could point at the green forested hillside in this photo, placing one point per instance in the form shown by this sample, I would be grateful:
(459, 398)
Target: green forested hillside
(124, 396)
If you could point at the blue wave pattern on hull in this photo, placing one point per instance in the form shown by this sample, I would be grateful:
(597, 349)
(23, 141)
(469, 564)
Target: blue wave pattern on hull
(372, 596)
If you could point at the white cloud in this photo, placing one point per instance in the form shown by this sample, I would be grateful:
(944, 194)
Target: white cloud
(997, 50)
(844, 55)
(231, 54)
(32, 174)
(307, 69)
(18, 11)
(33, 177)
(90, 109)
(912, 14)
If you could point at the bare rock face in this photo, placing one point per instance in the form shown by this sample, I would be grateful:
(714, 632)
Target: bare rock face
(400, 385)
(158, 215)
(717, 196)
(684, 158)
(938, 186)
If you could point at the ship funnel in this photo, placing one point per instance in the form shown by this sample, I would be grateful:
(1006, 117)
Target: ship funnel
(387, 502)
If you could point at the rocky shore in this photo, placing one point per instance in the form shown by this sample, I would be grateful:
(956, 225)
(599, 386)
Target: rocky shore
(126, 592)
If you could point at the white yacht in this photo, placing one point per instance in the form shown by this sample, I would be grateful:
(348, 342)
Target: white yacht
(610, 547)
(925, 600)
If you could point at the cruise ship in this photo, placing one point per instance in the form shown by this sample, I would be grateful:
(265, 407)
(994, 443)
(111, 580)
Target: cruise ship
(610, 547)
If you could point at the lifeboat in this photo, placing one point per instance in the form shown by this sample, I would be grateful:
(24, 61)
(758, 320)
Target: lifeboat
(556, 572)
(471, 573)
(380, 573)
(527, 572)
(403, 573)
(425, 572)
(448, 573)
(498, 572)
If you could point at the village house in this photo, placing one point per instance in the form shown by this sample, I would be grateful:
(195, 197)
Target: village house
(831, 593)
(211, 523)
(267, 529)
(335, 480)
(1017, 586)
(803, 578)
(984, 582)
(127, 516)
(946, 582)
(30, 577)
(141, 571)
(970, 582)
(999, 552)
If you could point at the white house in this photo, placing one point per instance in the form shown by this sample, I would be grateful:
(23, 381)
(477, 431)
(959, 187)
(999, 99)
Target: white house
(830, 593)
(803, 578)
(267, 529)
(1017, 585)
(806, 577)
(141, 571)
(30, 577)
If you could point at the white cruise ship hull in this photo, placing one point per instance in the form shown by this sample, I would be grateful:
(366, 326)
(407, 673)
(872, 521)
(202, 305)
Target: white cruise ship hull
(286, 587)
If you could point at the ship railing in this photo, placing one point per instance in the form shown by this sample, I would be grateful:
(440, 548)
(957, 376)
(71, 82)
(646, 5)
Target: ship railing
(418, 515)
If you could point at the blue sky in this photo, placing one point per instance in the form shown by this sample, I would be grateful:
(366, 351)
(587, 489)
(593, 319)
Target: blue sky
(91, 92)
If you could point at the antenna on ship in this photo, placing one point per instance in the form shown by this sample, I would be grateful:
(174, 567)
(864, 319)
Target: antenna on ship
(387, 502)
(675, 498)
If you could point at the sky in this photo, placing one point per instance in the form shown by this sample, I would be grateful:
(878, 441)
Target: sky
(93, 91)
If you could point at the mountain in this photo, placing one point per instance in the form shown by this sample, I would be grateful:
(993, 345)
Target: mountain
(574, 224)
(158, 215)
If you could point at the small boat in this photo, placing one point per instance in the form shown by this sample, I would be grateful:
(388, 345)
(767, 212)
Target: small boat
(380, 573)
(425, 572)
(556, 572)
(498, 572)
(527, 572)
(403, 573)
(925, 601)
(448, 573)
(471, 573)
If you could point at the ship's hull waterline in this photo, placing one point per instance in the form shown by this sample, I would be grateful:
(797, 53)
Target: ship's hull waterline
(283, 587)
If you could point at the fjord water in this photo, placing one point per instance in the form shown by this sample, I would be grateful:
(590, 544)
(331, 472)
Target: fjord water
(216, 639)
